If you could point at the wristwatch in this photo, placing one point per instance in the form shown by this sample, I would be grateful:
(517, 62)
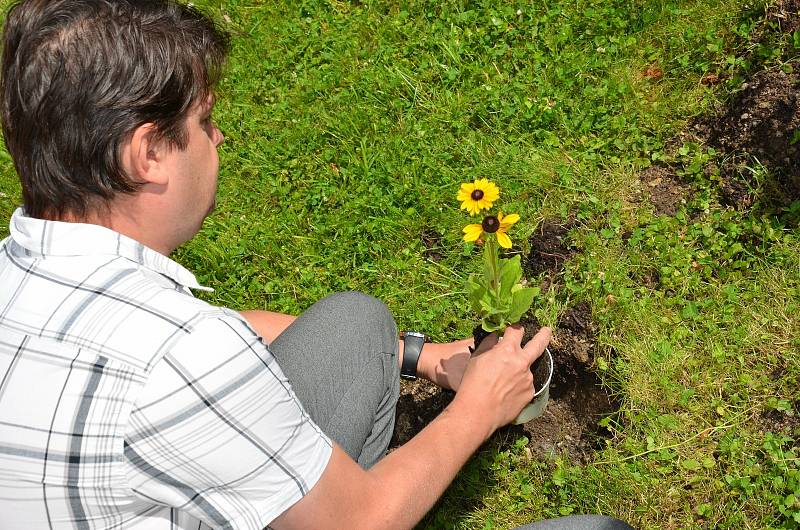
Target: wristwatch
(413, 343)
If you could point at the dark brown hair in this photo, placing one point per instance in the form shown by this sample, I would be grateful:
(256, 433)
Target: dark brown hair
(79, 76)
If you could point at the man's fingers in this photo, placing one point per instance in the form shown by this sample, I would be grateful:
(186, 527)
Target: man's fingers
(534, 348)
(513, 334)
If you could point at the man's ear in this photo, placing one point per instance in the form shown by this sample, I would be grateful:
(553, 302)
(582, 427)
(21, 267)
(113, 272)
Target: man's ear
(144, 156)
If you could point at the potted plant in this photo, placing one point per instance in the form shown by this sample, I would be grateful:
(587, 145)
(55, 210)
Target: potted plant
(497, 294)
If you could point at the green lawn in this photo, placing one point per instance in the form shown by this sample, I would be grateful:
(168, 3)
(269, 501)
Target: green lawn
(349, 127)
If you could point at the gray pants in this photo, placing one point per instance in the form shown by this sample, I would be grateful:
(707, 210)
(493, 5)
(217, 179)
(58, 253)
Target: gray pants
(341, 358)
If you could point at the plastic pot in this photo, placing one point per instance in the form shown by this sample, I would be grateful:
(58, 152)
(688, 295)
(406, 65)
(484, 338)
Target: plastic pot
(541, 381)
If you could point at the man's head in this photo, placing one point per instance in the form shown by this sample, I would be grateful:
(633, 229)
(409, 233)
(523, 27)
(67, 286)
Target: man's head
(80, 77)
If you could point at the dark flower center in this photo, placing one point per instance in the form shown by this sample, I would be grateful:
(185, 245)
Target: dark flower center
(490, 224)
(476, 195)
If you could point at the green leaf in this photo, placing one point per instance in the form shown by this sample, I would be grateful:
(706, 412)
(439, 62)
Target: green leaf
(510, 274)
(691, 465)
(476, 291)
(521, 302)
(491, 326)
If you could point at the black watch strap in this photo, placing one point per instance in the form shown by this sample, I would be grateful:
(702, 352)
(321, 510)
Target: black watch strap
(412, 348)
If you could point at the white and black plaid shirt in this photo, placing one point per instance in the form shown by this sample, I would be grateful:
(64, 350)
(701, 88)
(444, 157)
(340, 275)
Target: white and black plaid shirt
(125, 402)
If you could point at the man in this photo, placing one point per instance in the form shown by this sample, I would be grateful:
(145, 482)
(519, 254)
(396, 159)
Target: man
(127, 403)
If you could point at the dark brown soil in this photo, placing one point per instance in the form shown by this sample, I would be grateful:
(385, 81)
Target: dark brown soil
(420, 402)
(650, 279)
(577, 401)
(665, 189)
(778, 421)
(432, 241)
(758, 127)
(785, 14)
(550, 248)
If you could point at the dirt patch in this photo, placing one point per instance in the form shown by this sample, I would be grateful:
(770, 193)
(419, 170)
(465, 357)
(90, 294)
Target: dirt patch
(666, 191)
(778, 421)
(783, 421)
(761, 125)
(432, 243)
(651, 279)
(420, 402)
(785, 14)
(577, 399)
(550, 248)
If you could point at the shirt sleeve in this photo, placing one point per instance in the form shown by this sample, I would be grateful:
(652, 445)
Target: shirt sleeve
(217, 431)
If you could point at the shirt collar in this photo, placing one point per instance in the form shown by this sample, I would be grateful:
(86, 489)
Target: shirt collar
(58, 238)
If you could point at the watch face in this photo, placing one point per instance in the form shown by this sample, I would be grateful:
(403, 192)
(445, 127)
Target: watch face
(414, 341)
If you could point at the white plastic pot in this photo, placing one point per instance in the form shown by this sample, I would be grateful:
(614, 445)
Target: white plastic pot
(542, 395)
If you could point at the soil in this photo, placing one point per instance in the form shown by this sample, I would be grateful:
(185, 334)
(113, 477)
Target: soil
(420, 402)
(550, 248)
(758, 126)
(650, 279)
(432, 243)
(667, 192)
(787, 422)
(577, 401)
(785, 14)
(777, 421)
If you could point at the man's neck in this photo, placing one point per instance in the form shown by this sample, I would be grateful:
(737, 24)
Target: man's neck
(128, 220)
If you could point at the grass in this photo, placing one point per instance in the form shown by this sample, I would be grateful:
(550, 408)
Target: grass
(349, 126)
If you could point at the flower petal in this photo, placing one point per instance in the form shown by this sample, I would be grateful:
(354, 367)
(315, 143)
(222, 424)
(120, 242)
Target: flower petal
(491, 195)
(508, 220)
(503, 239)
(490, 187)
(472, 232)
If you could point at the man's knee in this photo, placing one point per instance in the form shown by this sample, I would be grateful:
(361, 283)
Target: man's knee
(363, 311)
(367, 326)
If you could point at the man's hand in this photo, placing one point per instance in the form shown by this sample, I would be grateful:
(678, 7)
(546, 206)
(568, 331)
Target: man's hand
(499, 380)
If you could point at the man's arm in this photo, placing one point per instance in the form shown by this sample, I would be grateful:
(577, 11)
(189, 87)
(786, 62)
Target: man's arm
(268, 324)
(442, 364)
(402, 487)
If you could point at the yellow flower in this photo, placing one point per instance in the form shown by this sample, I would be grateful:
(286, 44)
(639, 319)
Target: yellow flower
(492, 225)
(505, 223)
(478, 195)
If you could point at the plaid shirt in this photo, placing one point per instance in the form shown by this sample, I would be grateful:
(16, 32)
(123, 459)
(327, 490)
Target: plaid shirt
(125, 402)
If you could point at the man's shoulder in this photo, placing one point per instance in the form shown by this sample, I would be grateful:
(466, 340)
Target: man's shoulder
(105, 304)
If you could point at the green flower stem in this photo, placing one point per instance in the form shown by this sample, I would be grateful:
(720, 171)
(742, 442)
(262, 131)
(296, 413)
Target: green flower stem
(491, 249)
(494, 267)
